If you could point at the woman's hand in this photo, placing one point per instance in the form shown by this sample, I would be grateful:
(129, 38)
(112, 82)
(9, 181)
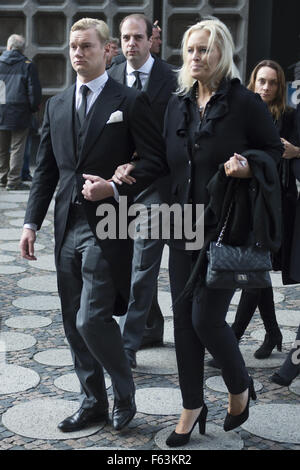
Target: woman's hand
(122, 174)
(290, 150)
(237, 167)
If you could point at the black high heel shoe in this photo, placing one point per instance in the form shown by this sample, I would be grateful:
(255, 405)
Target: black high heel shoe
(277, 379)
(178, 440)
(232, 422)
(270, 341)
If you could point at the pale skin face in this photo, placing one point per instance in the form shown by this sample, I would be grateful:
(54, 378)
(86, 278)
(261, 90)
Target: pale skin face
(135, 43)
(113, 51)
(156, 41)
(200, 66)
(87, 54)
(266, 84)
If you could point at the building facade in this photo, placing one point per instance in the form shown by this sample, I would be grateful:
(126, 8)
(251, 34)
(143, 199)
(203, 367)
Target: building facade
(260, 28)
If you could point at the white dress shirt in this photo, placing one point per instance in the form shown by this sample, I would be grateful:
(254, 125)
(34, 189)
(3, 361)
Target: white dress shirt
(145, 71)
(95, 86)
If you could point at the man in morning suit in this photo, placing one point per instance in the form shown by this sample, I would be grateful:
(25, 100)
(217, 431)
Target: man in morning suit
(92, 127)
(143, 324)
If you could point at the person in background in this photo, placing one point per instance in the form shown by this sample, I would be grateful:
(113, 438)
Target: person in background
(144, 324)
(268, 80)
(290, 369)
(113, 51)
(156, 39)
(25, 172)
(154, 49)
(21, 97)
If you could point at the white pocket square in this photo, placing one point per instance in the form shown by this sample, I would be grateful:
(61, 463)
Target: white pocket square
(117, 116)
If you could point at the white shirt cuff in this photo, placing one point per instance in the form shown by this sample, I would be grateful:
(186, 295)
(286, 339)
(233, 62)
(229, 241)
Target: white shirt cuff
(116, 192)
(31, 226)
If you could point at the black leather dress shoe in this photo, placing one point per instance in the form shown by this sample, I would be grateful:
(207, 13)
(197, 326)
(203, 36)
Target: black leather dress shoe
(131, 356)
(123, 412)
(83, 418)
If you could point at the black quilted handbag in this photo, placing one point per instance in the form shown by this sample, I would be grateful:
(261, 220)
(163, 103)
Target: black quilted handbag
(232, 267)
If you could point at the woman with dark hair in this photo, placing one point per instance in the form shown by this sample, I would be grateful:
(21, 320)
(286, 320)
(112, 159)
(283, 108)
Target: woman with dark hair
(268, 80)
(290, 369)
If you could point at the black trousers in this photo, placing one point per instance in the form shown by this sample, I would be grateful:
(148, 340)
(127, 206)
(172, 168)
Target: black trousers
(199, 323)
(250, 299)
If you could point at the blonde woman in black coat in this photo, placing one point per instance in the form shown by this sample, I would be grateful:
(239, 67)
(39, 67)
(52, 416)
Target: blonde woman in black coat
(209, 124)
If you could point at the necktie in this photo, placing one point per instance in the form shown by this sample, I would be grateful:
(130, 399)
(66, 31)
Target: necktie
(82, 108)
(137, 84)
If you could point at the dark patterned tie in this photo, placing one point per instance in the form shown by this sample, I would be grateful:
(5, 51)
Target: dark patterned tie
(82, 108)
(137, 84)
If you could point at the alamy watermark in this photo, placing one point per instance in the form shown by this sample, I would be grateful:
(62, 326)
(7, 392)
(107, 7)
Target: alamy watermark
(296, 354)
(295, 98)
(154, 221)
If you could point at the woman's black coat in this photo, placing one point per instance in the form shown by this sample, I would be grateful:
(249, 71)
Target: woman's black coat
(281, 260)
(236, 121)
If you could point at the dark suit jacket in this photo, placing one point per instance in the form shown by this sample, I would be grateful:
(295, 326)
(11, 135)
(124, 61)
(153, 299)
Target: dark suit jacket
(105, 147)
(161, 84)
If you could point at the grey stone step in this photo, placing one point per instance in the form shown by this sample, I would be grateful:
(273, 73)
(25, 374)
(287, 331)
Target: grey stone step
(39, 419)
(275, 422)
(159, 401)
(15, 379)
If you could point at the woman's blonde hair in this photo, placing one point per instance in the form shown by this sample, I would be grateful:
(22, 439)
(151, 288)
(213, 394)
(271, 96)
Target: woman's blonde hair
(219, 36)
(278, 105)
(93, 23)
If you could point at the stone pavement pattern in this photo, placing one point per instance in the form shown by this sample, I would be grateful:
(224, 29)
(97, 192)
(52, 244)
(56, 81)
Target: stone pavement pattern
(38, 387)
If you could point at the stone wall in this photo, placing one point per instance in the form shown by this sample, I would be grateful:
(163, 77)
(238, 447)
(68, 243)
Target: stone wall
(46, 23)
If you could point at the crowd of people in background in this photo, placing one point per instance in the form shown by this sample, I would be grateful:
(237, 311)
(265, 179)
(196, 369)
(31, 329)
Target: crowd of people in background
(134, 126)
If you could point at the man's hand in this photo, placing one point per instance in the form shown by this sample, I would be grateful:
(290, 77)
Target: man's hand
(122, 174)
(27, 244)
(96, 188)
(237, 167)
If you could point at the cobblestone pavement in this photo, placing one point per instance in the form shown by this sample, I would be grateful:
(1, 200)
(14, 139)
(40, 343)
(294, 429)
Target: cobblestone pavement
(27, 290)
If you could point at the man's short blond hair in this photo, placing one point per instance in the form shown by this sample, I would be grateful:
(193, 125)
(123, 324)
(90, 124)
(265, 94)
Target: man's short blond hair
(93, 23)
